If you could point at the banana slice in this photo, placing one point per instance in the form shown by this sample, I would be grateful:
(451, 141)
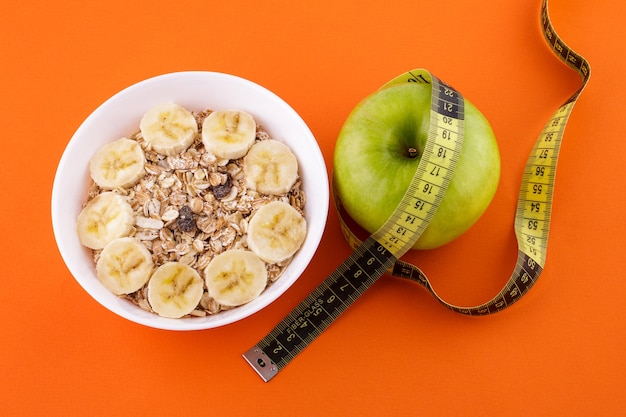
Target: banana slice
(174, 290)
(124, 266)
(235, 277)
(270, 167)
(276, 231)
(105, 218)
(169, 128)
(228, 134)
(118, 164)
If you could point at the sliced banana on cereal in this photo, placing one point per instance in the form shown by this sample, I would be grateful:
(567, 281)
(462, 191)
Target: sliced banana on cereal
(228, 134)
(169, 128)
(106, 217)
(117, 164)
(276, 231)
(235, 277)
(270, 167)
(174, 290)
(124, 266)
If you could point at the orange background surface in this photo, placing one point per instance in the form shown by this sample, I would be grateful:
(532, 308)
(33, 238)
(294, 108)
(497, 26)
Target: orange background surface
(557, 352)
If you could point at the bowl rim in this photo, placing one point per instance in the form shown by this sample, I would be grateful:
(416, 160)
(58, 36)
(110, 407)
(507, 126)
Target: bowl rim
(118, 305)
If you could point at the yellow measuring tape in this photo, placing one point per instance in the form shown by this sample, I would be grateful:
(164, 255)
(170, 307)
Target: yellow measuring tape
(380, 253)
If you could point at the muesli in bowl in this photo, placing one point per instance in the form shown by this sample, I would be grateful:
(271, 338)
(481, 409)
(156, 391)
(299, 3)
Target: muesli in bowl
(202, 213)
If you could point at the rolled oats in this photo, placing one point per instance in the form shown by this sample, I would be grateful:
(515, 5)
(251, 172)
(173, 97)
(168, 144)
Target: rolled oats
(191, 207)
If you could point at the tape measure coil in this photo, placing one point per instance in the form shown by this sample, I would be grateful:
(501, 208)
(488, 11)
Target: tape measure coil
(380, 252)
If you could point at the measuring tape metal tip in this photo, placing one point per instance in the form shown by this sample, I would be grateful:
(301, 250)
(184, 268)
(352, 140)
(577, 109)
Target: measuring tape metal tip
(261, 363)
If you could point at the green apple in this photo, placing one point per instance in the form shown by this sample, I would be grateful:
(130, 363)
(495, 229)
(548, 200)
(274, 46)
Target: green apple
(375, 160)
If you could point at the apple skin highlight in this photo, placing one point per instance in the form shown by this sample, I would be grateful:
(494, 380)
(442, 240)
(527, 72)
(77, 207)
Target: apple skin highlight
(373, 166)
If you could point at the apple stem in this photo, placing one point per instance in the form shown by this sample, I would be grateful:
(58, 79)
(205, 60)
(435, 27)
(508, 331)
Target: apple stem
(412, 152)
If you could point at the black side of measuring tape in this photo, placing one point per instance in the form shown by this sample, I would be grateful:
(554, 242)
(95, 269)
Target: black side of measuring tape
(380, 253)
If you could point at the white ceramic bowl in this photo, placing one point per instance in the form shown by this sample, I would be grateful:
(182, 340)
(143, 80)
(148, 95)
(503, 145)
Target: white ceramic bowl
(194, 90)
